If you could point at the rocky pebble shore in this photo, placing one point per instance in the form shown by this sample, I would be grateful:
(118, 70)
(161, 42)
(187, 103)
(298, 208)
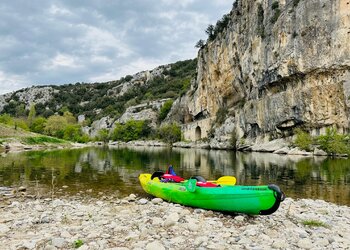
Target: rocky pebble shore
(139, 223)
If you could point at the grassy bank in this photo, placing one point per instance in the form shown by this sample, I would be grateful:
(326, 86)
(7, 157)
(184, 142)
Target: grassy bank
(17, 139)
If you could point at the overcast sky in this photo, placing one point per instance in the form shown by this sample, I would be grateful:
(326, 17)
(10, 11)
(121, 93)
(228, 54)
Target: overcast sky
(68, 41)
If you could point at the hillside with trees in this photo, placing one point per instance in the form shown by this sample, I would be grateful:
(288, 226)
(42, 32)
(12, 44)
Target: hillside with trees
(54, 110)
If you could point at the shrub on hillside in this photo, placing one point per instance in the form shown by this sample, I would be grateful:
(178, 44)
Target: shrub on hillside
(131, 130)
(6, 119)
(164, 110)
(333, 143)
(303, 139)
(170, 133)
(38, 125)
(55, 126)
(103, 135)
(21, 123)
(221, 115)
(72, 132)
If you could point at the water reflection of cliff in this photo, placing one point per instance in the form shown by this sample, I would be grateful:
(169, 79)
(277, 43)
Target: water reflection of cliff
(314, 177)
(104, 169)
(299, 176)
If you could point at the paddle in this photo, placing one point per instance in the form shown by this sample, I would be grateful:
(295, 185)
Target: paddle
(226, 180)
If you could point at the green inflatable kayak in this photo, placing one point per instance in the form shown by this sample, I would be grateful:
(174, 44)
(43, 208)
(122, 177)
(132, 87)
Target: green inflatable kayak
(220, 195)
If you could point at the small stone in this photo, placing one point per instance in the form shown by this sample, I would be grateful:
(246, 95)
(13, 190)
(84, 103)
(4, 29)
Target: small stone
(15, 204)
(199, 240)
(226, 235)
(322, 242)
(250, 232)
(4, 228)
(143, 201)
(58, 242)
(280, 244)
(178, 240)
(99, 203)
(157, 200)
(84, 247)
(192, 226)
(244, 241)
(45, 219)
(239, 218)
(66, 234)
(198, 211)
(57, 203)
(157, 221)
(29, 244)
(49, 247)
(39, 208)
(132, 196)
(305, 244)
(22, 189)
(64, 186)
(171, 219)
(155, 245)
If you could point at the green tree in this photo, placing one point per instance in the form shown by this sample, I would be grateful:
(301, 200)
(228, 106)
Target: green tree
(21, 123)
(38, 125)
(6, 119)
(21, 110)
(200, 44)
(31, 114)
(63, 110)
(210, 32)
(333, 143)
(170, 133)
(164, 110)
(69, 117)
(303, 139)
(131, 130)
(72, 132)
(55, 126)
(103, 135)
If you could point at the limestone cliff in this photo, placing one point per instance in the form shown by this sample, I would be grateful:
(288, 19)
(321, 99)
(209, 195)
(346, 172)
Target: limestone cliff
(277, 65)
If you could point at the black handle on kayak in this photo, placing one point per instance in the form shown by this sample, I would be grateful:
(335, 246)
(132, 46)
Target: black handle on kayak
(279, 196)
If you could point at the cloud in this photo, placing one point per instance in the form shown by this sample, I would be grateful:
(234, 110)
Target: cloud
(61, 60)
(63, 41)
(10, 82)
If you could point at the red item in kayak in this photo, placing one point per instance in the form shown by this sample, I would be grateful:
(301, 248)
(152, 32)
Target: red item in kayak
(206, 184)
(174, 178)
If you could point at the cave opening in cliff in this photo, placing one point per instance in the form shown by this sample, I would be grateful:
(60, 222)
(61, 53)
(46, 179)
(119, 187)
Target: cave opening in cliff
(198, 133)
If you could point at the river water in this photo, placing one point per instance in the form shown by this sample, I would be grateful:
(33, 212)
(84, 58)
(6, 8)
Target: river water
(103, 171)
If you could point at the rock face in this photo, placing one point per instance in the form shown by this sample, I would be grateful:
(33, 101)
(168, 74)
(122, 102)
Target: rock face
(146, 111)
(29, 95)
(3, 101)
(138, 79)
(96, 126)
(277, 67)
(142, 112)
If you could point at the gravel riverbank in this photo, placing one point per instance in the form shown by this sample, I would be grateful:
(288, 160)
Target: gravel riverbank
(133, 223)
